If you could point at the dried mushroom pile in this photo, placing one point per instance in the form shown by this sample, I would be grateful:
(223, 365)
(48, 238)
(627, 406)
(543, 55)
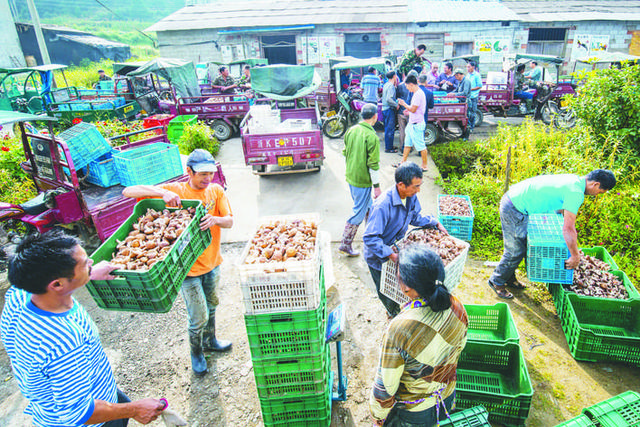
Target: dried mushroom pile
(283, 240)
(592, 278)
(151, 238)
(444, 245)
(454, 206)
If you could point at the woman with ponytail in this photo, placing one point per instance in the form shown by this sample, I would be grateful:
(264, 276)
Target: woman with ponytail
(416, 377)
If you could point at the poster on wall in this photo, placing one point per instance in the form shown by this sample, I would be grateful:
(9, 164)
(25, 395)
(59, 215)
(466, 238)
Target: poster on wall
(491, 49)
(599, 44)
(309, 47)
(588, 45)
(581, 45)
(327, 48)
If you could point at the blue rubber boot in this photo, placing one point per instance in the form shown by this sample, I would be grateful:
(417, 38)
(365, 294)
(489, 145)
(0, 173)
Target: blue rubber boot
(198, 362)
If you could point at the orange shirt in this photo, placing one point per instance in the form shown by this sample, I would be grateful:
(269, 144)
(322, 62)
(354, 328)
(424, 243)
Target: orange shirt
(211, 257)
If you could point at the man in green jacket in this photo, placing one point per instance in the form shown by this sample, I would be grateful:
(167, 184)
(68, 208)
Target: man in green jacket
(362, 153)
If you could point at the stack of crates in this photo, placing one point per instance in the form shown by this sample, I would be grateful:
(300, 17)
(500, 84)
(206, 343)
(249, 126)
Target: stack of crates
(491, 369)
(600, 329)
(285, 316)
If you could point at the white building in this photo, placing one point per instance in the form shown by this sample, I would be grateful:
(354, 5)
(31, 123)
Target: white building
(313, 31)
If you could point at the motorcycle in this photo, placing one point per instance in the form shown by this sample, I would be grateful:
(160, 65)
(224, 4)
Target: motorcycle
(344, 113)
(540, 106)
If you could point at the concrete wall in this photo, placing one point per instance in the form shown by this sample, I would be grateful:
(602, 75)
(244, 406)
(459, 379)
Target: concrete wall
(10, 51)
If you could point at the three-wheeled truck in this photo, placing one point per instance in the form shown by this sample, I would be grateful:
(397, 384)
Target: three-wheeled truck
(65, 198)
(281, 132)
(498, 97)
(222, 112)
(27, 89)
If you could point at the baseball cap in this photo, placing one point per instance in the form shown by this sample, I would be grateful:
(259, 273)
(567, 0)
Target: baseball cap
(458, 71)
(201, 161)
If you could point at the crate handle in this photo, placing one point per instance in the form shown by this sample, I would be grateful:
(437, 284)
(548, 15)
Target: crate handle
(283, 319)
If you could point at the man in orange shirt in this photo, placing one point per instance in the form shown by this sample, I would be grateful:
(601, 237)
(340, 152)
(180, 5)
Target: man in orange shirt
(198, 289)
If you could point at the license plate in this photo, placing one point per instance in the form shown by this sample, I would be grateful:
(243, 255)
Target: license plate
(331, 113)
(128, 108)
(564, 103)
(285, 161)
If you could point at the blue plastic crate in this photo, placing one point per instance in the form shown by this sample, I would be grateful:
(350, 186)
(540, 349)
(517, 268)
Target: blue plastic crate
(458, 226)
(547, 250)
(102, 172)
(85, 144)
(80, 106)
(148, 165)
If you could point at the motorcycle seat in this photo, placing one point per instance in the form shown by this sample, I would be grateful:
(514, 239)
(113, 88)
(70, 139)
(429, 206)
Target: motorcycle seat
(35, 206)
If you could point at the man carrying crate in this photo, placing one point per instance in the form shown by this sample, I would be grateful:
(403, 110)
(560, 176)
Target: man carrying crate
(53, 344)
(542, 194)
(199, 288)
(388, 222)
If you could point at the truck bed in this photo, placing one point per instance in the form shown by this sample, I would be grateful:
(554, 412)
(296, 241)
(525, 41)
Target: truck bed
(286, 147)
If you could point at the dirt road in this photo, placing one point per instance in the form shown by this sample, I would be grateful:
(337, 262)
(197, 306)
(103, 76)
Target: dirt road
(149, 354)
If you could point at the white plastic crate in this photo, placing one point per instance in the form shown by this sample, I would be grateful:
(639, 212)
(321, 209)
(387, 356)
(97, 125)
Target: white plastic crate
(276, 287)
(390, 287)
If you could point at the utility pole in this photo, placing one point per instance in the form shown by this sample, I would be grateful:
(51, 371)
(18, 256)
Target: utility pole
(39, 36)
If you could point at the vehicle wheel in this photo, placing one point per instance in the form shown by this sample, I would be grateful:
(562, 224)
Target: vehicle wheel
(259, 168)
(565, 119)
(335, 127)
(431, 134)
(166, 95)
(479, 118)
(222, 130)
(548, 112)
(453, 130)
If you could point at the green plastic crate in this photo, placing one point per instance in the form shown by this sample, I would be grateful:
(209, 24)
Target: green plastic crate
(293, 377)
(299, 411)
(579, 421)
(559, 293)
(154, 290)
(472, 417)
(175, 128)
(495, 376)
(458, 226)
(602, 254)
(547, 250)
(556, 290)
(290, 334)
(491, 323)
(622, 410)
(602, 329)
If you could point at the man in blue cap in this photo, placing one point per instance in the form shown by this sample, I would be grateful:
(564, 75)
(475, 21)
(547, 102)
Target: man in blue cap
(198, 289)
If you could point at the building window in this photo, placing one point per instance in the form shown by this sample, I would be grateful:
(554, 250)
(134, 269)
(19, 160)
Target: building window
(547, 41)
(462, 48)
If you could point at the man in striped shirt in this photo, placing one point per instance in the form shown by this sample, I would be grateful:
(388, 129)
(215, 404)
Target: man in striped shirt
(53, 344)
(370, 84)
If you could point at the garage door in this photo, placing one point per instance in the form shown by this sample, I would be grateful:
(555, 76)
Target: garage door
(362, 45)
(434, 44)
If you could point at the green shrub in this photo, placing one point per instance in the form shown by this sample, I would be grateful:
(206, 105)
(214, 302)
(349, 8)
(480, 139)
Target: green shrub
(198, 135)
(609, 105)
(458, 157)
